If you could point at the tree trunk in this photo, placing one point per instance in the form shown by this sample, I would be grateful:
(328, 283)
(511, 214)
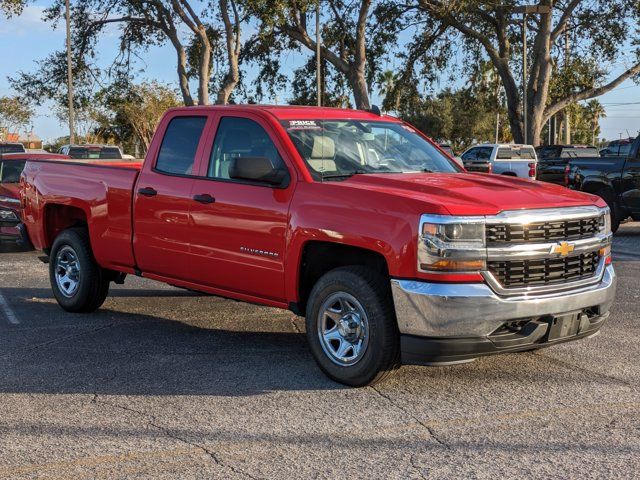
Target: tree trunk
(232, 36)
(204, 71)
(359, 88)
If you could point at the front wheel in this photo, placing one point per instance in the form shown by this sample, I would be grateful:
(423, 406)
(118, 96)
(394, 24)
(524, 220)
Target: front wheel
(77, 281)
(351, 326)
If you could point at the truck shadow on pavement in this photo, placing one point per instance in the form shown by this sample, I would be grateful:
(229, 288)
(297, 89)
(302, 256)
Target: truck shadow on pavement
(122, 353)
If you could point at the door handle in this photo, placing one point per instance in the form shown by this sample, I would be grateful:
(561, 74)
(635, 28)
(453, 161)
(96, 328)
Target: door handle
(148, 192)
(204, 198)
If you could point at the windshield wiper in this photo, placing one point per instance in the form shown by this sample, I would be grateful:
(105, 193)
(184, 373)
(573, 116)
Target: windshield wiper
(346, 175)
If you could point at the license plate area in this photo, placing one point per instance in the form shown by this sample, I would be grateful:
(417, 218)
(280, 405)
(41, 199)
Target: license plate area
(563, 326)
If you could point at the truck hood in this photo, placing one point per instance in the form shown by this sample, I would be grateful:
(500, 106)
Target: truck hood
(472, 193)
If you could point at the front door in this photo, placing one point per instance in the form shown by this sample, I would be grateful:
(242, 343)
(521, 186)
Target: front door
(239, 228)
(163, 199)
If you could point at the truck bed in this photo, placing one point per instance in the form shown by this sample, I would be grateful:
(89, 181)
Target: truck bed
(99, 193)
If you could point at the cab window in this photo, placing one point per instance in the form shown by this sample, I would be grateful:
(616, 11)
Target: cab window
(240, 137)
(179, 146)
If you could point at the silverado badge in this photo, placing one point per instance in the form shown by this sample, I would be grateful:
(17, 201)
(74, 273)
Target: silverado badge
(563, 249)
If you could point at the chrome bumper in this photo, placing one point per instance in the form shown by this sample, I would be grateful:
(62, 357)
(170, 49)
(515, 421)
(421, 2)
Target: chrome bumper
(475, 310)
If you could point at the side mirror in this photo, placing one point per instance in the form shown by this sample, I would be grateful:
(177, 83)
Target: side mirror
(258, 169)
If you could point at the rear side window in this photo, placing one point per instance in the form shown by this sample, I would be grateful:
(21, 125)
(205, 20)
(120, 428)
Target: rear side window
(516, 153)
(240, 137)
(484, 153)
(179, 145)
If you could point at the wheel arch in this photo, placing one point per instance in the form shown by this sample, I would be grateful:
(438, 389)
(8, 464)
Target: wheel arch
(59, 217)
(320, 257)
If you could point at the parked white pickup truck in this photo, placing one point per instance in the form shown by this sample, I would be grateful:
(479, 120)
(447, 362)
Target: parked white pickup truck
(504, 159)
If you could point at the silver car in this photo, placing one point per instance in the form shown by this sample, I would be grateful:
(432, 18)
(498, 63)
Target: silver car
(503, 159)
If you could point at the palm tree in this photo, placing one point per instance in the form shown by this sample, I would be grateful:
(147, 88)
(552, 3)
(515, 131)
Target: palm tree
(595, 111)
(386, 83)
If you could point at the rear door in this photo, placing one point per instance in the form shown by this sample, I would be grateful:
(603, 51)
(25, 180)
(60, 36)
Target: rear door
(163, 198)
(239, 227)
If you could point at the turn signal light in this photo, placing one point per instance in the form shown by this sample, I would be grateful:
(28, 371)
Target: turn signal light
(455, 265)
(606, 253)
(567, 169)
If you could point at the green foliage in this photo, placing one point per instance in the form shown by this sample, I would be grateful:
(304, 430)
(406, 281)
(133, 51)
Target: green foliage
(13, 7)
(14, 114)
(462, 117)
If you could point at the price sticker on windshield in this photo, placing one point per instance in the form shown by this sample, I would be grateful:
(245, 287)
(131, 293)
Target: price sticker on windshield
(303, 125)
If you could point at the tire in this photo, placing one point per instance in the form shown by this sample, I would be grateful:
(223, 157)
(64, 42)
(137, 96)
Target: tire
(608, 197)
(372, 331)
(77, 281)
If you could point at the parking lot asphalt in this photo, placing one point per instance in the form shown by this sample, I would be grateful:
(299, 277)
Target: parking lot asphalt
(164, 383)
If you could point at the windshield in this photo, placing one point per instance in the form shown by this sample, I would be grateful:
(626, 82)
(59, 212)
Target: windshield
(10, 171)
(341, 148)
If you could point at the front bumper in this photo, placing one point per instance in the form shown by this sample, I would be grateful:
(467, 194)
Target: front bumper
(446, 322)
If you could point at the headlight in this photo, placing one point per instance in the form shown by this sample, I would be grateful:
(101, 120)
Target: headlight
(606, 226)
(451, 244)
(8, 216)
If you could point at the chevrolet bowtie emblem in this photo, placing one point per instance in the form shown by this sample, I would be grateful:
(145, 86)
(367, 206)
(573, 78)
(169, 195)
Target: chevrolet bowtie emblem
(563, 249)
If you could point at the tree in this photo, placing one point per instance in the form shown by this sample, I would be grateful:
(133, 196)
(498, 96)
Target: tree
(14, 114)
(595, 112)
(142, 24)
(599, 30)
(344, 37)
(12, 7)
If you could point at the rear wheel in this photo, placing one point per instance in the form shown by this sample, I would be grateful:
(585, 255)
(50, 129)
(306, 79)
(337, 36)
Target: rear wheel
(608, 197)
(351, 326)
(77, 281)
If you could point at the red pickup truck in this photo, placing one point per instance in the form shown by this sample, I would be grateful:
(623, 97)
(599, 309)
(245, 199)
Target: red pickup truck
(358, 221)
(11, 165)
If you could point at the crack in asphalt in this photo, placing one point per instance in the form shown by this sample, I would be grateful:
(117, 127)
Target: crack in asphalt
(432, 434)
(151, 421)
(412, 461)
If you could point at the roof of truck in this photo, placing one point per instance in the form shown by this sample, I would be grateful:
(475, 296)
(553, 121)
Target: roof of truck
(299, 112)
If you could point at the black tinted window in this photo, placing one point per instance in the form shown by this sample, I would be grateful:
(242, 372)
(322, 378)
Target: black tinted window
(179, 145)
(240, 137)
(484, 153)
(110, 153)
(10, 171)
(12, 148)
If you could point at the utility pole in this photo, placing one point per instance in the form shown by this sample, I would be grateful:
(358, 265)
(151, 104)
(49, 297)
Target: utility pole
(318, 55)
(526, 10)
(72, 136)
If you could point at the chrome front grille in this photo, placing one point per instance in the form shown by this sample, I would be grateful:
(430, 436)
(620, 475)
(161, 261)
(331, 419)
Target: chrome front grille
(531, 251)
(542, 272)
(560, 230)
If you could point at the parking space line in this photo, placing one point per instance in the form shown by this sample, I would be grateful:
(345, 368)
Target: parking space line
(8, 312)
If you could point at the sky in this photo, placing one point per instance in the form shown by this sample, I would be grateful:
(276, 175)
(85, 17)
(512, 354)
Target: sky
(26, 39)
